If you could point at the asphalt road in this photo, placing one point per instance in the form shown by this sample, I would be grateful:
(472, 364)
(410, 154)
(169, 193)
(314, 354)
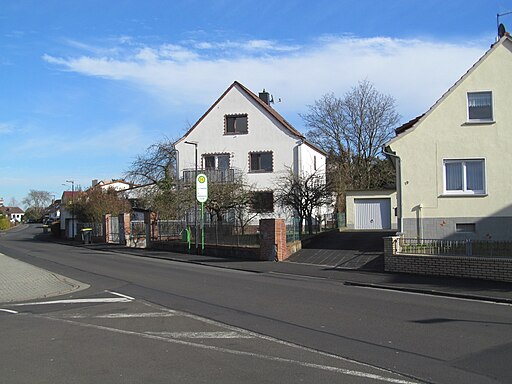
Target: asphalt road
(149, 320)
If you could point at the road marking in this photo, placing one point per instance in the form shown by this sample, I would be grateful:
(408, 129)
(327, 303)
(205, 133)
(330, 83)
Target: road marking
(120, 299)
(202, 335)
(78, 301)
(328, 368)
(124, 315)
(8, 311)
(121, 295)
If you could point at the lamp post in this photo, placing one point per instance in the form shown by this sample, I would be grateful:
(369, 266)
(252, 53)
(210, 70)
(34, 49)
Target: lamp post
(72, 207)
(194, 143)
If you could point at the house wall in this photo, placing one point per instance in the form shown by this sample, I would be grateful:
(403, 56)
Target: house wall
(351, 196)
(265, 133)
(444, 133)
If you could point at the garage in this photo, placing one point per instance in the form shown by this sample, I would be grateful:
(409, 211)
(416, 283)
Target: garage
(372, 213)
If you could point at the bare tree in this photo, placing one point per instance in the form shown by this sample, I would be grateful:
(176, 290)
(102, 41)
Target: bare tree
(303, 194)
(156, 169)
(36, 202)
(157, 165)
(352, 129)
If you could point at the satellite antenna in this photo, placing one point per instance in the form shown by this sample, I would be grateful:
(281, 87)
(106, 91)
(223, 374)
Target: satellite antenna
(501, 28)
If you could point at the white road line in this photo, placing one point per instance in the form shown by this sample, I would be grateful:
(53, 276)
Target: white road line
(343, 371)
(271, 339)
(8, 311)
(77, 301)
(123, 315)
(202, 335)
(121, 295)
(121, 299)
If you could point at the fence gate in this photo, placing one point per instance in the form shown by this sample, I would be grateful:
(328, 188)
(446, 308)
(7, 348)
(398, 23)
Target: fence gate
(114, 230)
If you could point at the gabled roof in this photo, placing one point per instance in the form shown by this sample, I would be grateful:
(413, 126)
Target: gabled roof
(271, 111)
(10, 210)
(412, 124)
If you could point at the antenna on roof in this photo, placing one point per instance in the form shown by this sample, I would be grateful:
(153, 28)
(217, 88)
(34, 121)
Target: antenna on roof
(501, 28)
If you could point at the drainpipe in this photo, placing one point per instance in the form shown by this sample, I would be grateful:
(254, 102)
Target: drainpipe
(398, 168)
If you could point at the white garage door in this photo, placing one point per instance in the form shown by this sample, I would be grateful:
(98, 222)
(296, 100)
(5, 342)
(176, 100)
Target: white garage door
(373, 213)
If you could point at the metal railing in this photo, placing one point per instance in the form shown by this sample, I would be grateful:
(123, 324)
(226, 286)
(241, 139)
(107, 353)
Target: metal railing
(467, 247)
(214, 175)
(170, 229)
(138, 228)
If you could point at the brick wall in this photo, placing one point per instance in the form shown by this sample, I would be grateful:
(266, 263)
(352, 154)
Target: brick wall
(487, 268)
(273, 240)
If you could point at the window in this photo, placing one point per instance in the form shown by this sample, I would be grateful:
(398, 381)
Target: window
(263, 201)
(464, 176)
(216, 161)
(480, 106)
(261, 162)
(465, 227)
(236, 124)
(209, 162)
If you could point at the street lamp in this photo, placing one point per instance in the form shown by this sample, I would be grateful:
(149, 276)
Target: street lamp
(194, 143)
(72, 207)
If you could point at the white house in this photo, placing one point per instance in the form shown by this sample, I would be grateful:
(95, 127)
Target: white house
(453, 163)
(242, 134)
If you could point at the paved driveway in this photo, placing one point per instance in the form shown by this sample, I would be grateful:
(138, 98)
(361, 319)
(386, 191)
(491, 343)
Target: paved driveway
(346, 249)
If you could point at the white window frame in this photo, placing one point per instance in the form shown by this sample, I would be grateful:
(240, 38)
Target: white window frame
(465, 191)
(491, 119)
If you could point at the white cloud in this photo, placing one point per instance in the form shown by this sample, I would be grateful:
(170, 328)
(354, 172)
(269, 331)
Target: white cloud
(416, 72)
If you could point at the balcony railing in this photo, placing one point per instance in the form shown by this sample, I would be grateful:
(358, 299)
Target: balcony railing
(214, 175)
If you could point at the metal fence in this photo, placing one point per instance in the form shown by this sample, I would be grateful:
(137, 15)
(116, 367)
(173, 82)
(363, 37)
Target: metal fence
(138, 228)
(170, 229)
(321, 223)
(466, 247)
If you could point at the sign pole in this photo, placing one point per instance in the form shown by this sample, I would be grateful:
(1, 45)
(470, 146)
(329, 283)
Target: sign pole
(202, 196)
(202, 227)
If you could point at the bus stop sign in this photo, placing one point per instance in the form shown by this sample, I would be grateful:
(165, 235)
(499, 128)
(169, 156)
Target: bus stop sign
(201, 188)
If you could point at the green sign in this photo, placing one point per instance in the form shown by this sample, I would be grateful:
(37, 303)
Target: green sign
(201, 188)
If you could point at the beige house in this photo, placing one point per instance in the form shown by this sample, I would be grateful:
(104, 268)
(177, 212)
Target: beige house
(454, 163)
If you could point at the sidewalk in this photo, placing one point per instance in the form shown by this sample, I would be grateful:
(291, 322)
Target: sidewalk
(20, 281)
(443, 286)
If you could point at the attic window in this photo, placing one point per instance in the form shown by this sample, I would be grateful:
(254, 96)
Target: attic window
(480, 106)
(235, 124)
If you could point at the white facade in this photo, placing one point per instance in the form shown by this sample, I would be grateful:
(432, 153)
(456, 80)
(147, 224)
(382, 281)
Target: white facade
(453, 163)
(264, 147)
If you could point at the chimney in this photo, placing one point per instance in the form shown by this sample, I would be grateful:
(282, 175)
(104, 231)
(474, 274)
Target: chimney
(94, 182)
(265, 96)
(1, 201)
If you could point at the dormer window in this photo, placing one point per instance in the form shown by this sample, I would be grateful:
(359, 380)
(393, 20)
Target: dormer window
(480, 106)
(236, 124)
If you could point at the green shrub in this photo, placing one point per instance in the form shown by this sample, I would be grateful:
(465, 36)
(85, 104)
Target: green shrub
(4, 223)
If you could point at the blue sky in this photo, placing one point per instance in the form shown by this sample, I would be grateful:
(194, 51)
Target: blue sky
(86, 85)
